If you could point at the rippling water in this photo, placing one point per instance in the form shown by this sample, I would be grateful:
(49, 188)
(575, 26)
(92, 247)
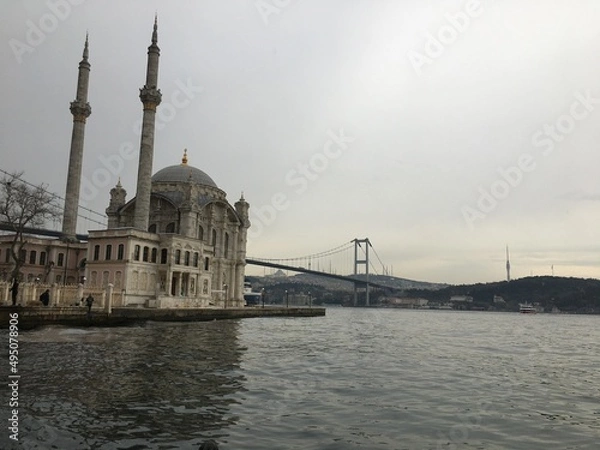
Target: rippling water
(356, 379)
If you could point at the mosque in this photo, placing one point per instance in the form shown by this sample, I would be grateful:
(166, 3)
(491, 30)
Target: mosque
(177, 243)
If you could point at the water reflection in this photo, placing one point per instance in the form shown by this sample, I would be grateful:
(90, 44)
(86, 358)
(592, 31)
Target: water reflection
(161, 383)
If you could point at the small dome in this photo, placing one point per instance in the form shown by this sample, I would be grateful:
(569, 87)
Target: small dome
(183, 173)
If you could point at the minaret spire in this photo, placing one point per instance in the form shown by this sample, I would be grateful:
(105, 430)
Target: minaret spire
(150, 96)
(507, 265)
(155, 31)
(81, 110)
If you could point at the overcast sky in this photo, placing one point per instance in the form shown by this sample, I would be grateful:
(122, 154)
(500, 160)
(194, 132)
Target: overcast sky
(441, 130)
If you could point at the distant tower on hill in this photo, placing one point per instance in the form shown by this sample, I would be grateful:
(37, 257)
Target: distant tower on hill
(507, 265)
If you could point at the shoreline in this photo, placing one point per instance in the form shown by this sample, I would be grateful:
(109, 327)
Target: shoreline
(31, 317)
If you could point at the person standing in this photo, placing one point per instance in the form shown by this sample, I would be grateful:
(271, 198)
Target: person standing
(89, 301)
(14, 291)
(45, 297)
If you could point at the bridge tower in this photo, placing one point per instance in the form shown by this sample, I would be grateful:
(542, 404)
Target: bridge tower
(365, 262)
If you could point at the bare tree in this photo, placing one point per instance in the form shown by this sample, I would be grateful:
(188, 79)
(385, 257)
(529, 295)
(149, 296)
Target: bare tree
(23, 206)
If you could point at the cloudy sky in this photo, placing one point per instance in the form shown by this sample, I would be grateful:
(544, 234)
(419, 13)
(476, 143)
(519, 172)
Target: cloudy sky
(441, 130)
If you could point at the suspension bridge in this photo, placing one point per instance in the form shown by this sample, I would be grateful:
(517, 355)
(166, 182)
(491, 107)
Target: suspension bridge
(350, 261)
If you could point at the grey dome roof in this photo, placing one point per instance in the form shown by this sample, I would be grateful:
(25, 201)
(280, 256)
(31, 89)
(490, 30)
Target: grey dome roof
(181, 173)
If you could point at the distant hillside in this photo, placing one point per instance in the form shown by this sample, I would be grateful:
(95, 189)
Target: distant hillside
(577, 295)
(332, 284)
(573, 295)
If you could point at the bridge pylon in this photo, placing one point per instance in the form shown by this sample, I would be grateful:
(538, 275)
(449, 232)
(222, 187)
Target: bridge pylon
(358, 262)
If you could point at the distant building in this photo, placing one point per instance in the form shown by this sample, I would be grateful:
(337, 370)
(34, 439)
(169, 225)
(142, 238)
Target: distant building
(461, 298)
(405, 302)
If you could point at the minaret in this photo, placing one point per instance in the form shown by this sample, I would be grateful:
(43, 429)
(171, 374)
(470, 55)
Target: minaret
(150, 97)
(81, 110)
(507, 265)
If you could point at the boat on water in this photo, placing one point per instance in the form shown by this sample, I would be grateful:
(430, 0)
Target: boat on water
(527, 308)
(252, 298)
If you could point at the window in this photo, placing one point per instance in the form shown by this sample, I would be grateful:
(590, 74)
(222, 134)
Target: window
(195, 259)
(187, 258)
(145, 254)
(170, 228)
(152, 228)
(96, 252)
(120, 251)
(201, 233)
(61, 260)
(214, 237)
(42, 258)
(136, 253)
(57, 279)
(108, 252)
(206, 263)
(153, 257)
(118, 279)
(226, 255)
(177, 256)
(32, 256)
(23, 255)
(163, 256)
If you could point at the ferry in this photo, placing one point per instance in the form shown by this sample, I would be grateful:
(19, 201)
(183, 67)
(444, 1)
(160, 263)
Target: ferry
(527, 308)
(252, 298)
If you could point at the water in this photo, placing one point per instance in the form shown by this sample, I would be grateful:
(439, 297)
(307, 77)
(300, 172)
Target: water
(364, 379)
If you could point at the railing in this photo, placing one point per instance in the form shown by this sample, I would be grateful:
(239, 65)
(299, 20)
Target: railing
(60, 295)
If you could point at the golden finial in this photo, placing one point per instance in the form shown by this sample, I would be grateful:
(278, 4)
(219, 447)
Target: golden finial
(184, 159)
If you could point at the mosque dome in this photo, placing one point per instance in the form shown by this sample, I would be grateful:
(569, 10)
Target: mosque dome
(183, 173)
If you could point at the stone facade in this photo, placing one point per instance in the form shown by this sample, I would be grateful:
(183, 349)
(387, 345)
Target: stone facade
(45, 260)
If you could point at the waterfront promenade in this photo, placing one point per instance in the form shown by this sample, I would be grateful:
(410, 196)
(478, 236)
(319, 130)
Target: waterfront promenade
(36, 316)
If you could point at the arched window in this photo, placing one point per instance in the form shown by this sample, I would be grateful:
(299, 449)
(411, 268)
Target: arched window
(214, 238)
(96, 252)
(226, 249)
(152, 228)
(146, 254)
(177, 256)
(153, 257)
(108, 252)
(42, 258)
(136, 253)
(163, 256)
(170, 228)
(187, 259)
(120, 251)
(195, 259)
(32, 256)
(206, 263)
(201, 233)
